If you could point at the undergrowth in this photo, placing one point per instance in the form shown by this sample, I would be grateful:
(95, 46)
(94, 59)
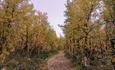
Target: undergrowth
(20, 61)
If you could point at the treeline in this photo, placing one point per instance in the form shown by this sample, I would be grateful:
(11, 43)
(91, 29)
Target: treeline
(89, 26)
(24, 32)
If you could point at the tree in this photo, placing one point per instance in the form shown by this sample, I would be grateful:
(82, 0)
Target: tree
(85, 36)
(24, 29)
(109, 17)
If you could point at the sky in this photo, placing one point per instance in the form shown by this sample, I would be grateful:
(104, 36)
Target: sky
(55, 12)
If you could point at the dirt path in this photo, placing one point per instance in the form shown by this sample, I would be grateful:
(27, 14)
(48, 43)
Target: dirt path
(59, 62)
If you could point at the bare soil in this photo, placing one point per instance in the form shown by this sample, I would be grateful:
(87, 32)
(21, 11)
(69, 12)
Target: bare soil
(59, 62)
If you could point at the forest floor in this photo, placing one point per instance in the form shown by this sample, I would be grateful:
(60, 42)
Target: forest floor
(59, 62)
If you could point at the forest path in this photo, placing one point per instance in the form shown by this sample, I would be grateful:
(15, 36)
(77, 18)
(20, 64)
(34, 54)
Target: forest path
(59, 62)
